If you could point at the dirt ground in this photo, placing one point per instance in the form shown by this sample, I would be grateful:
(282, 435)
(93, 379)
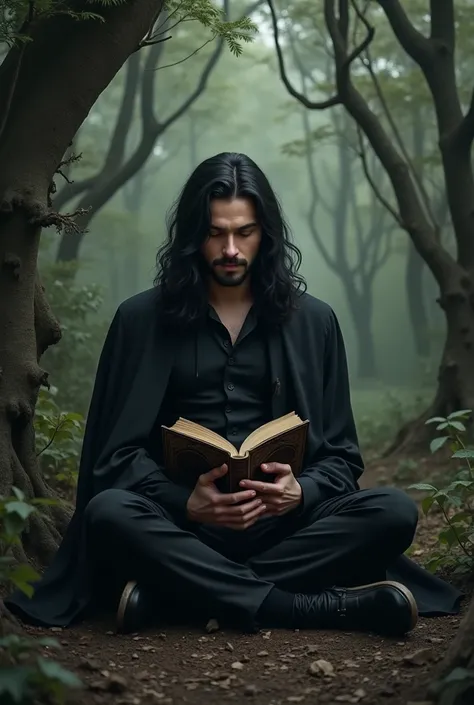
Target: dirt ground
(173, 666)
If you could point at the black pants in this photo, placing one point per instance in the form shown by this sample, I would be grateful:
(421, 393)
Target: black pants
(346, 541)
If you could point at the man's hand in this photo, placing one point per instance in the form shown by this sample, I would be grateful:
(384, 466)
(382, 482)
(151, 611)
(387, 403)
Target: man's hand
(207, 505)
(282, 495)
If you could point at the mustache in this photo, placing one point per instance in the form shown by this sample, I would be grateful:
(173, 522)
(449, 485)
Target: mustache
(222, 261)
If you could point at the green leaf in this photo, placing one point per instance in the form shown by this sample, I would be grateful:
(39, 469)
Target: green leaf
(442, 426)
(22, 577)
(457, 425)
(426, 504)
(448, 536)
(460, 414)
(438, 443)
(14, 683)
(53, 670)
(22, 509)
(435, 419)
(461, 517)
(423, 487)
(18, 494)
(464, 453)
(432, 564)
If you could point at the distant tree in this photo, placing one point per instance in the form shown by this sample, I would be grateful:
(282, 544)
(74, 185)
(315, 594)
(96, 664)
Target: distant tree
(119, 166)
(355, 243)
(351, 30)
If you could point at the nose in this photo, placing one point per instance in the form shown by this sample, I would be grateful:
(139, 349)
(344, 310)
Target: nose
(230, 247)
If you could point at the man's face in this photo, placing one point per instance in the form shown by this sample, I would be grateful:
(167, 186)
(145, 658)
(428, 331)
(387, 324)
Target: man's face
(233, 241)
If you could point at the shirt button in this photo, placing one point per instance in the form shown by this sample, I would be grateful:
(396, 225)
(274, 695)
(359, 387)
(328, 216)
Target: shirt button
(230, 387)
(234, 432)
(226, 343)
(231, 361)
(228, 410)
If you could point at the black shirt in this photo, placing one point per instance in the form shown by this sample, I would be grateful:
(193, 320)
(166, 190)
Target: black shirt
(224, 387)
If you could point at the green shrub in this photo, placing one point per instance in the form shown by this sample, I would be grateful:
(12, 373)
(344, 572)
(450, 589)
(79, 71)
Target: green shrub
(456, 500)
(59, 437)
(26, 676)
(72, 363)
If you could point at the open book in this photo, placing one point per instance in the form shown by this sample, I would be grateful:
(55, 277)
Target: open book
(190, 450)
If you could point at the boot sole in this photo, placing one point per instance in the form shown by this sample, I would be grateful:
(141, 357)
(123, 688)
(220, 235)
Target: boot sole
(403, 590)
(123, 604)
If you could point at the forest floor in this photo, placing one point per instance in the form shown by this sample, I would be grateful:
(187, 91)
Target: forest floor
(174, 666)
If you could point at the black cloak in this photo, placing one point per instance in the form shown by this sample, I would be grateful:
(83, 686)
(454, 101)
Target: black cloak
(131, 381)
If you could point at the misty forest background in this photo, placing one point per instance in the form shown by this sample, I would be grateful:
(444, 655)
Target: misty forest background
(164, 113)
(361, 113)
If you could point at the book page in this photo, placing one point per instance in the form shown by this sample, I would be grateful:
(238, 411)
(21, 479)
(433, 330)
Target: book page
(270, 430)
(200, 433)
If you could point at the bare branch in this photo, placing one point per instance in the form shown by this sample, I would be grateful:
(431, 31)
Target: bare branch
(367, 62)
(373, 185)
(116, 149)
(420, 48)
(321, 105)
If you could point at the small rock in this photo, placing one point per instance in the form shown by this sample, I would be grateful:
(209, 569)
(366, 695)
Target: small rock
(311, 649)
(89, 664)
(262, 653)
(229, 646)
(56, 629)
(250, 690)
(212, 626)
(266, 635)
(135, 656)
(321, 668)
(109, 633)
(419, 657)
(295, 699)
(245, 659)
(237, 666)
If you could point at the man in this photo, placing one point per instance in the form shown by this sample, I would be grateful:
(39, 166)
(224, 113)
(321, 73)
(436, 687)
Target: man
(228, 338)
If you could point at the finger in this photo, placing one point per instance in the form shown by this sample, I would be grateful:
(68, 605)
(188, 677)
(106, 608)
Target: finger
(243, 518)
(276, 468)
(246, 523)
(236, 497)
(237, 511)
(209, 477)
(262, 487)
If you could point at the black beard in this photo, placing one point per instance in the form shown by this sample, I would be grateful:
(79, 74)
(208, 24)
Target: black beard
(229, 279)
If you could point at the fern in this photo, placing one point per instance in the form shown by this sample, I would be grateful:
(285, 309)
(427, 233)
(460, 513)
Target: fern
(208, 15)
(18, 12)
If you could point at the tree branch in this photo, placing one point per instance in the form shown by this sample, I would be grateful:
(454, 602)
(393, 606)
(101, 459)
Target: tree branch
(420, 48)
(409, 205)
(116, 150)
(303, 99)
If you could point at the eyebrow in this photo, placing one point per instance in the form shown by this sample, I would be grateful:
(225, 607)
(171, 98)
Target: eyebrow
(247, 226)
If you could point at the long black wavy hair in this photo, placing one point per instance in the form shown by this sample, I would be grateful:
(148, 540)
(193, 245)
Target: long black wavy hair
(181, 272)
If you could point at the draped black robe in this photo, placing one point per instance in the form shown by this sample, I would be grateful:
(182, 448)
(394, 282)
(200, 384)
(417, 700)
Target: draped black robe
(307, 354)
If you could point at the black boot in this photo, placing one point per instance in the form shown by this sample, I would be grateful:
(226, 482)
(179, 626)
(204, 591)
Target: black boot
(133, 612)
(387, 608)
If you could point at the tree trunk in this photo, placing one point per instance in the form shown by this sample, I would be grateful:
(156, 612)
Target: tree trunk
(416, 302)
(453, 683)
(59, 94)
(360, 306)
(456, 372)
